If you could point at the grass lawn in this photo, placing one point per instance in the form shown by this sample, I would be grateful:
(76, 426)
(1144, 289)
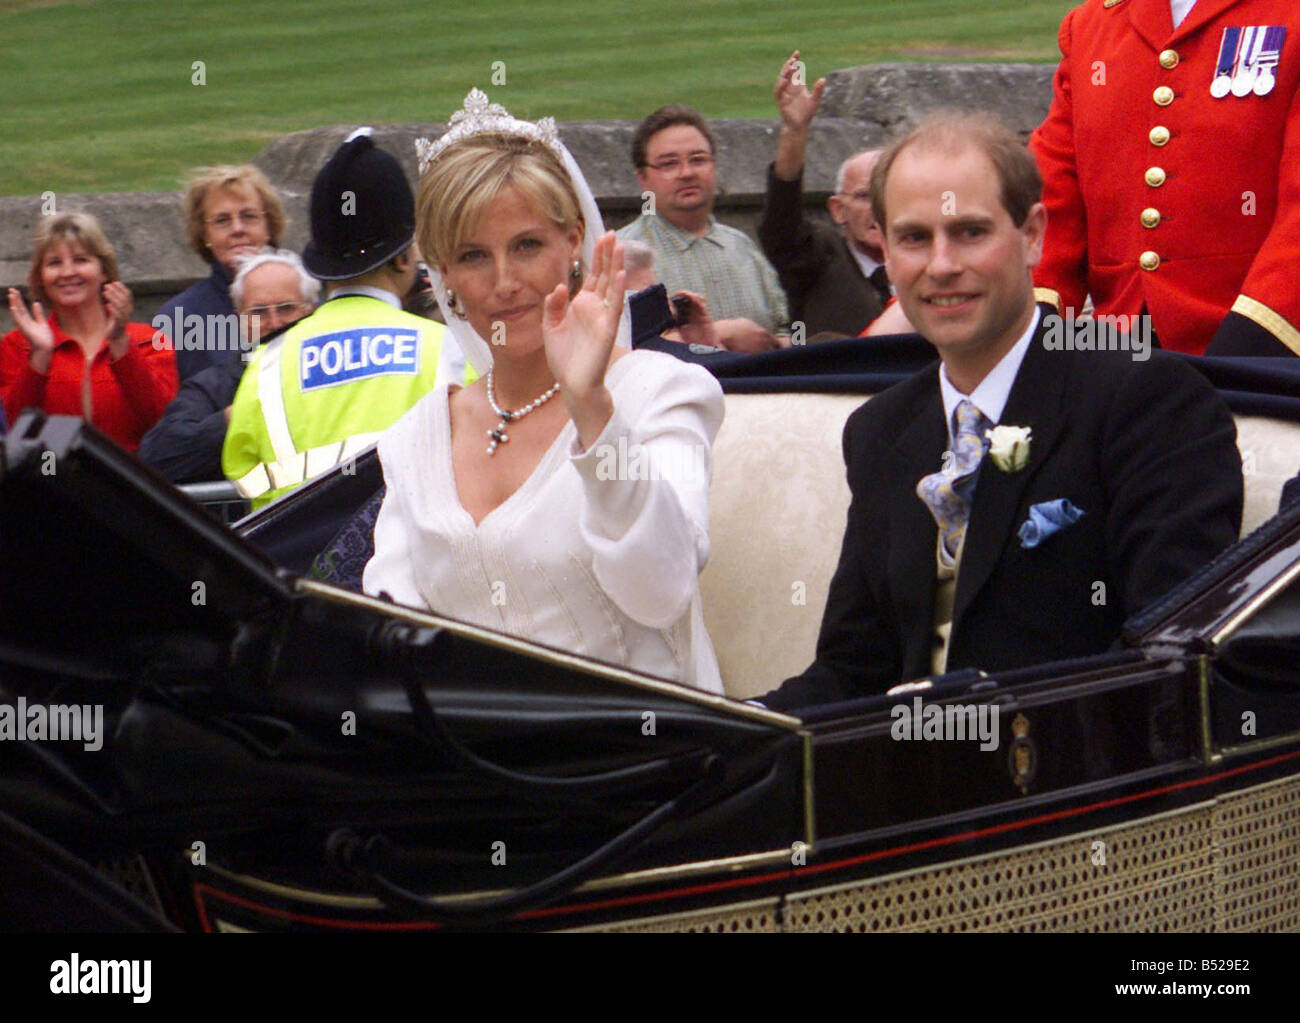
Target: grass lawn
(105, 96)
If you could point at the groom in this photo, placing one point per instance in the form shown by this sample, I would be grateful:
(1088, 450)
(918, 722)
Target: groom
(1110, 480)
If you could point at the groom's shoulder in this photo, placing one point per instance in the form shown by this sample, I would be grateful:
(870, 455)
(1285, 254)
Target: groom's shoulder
(886, 411)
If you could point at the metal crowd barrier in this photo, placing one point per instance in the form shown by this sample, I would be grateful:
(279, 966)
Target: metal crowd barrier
(219, 498)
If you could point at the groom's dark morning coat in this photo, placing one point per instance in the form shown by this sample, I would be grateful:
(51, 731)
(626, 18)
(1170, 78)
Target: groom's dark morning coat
(1146, 449)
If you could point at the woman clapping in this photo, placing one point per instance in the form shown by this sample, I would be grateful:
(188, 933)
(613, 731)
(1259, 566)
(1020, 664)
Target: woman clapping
(86, 359)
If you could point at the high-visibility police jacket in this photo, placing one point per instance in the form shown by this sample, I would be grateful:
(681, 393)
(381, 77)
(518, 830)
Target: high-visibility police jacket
(324, 390)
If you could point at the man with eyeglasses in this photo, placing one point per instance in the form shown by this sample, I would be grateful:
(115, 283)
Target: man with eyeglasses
(673, 154)
(272, 291)
(835, 279)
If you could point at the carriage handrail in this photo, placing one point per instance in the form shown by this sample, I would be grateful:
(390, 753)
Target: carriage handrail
(214, 492)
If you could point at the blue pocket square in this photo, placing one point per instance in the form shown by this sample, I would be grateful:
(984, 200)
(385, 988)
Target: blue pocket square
(1045, 519)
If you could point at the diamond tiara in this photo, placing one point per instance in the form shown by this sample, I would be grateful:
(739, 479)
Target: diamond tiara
(478, 117)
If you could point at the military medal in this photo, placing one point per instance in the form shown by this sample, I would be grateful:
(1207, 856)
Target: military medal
(1223, 72)
(1270, 55)
(1243, 81)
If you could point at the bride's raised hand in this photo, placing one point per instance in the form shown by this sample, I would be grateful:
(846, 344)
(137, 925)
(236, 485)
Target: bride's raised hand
(579, 333)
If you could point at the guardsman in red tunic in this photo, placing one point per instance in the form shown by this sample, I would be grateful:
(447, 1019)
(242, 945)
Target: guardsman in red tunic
(1171, 167)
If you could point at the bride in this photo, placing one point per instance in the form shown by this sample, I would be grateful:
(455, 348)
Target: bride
(563, 497)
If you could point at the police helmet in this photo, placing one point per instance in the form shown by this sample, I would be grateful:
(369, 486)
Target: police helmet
(362, 211)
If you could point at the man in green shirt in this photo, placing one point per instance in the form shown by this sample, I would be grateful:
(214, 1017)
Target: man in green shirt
(674, 158)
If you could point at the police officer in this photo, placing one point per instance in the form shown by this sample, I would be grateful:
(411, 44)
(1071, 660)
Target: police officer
(1168, 161)
(327, 387)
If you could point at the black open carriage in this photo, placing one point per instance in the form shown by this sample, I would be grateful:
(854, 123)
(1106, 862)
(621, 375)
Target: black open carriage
(280, 753)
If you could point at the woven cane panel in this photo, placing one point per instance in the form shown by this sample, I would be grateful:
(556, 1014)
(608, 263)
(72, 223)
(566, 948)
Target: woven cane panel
(1156, 876)
(1259, 834)
(1231, 865)
(756, 919)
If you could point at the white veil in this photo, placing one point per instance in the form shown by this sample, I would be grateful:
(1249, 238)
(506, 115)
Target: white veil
(476, 117)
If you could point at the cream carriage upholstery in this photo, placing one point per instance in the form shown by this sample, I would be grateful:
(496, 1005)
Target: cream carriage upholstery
(776, 517)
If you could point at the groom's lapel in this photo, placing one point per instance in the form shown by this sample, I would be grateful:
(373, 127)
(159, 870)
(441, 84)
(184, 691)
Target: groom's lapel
(1035, 401)
(920, 446)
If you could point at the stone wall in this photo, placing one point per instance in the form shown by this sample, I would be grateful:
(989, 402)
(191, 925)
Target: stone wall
(862, 107)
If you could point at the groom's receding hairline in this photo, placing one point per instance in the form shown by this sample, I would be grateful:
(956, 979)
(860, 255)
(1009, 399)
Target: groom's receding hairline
(955, 131)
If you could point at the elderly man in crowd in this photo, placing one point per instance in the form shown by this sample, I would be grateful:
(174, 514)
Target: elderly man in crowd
(673, 154)
(271, 291)
(835, 279)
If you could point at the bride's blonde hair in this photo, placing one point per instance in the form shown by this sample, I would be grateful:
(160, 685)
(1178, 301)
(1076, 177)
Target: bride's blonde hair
(462, 181)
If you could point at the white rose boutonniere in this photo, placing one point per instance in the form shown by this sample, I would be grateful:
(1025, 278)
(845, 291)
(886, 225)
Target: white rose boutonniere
(1009, 447)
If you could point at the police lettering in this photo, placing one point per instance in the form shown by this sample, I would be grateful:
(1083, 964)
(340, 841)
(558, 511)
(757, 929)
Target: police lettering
(355, 354)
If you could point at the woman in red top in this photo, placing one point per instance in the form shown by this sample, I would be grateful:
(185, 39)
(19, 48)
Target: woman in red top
(86, 360)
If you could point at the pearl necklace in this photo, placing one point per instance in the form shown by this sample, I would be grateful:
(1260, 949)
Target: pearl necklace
(498, 433)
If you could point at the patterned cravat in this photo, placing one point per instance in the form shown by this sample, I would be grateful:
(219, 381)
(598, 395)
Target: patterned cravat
(947, 492)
